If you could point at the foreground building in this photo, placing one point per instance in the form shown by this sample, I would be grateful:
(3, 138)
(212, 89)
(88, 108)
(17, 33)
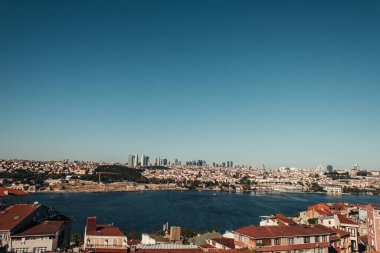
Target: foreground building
(340, 242)
(300, 238)
(33, 228)
(47, 236)
(104, 238)
(373, 227)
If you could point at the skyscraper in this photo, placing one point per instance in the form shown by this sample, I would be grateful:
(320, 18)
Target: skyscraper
(144, 160)
(330, 168)
(131, 161)
(136, 163)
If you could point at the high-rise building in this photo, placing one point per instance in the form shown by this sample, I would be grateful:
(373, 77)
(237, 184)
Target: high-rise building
(144, 160)
(176, 162)
(136, 164)
(131, 161)
(330, 168)
(373, 227)
(164, 161)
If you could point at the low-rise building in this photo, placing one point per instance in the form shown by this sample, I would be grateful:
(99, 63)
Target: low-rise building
(104, 238)
(33, 228)
(47, 236)
(300, 238)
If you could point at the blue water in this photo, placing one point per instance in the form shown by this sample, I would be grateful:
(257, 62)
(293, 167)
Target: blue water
(147, 211)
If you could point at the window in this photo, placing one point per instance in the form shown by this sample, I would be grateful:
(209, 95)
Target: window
(320, 250)
(39, 249)
(20, 250)
(266, 242)
(324, 238)
(306, 239)
(277, 241)
(291, 240)
(317, 239)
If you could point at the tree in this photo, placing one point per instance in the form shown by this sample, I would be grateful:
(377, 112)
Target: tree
(77, 239)
(131, 235)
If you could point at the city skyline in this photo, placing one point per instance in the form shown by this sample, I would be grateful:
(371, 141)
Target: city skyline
(256, 82)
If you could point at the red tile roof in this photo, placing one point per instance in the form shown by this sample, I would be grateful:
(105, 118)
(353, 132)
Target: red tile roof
(8, 191)
(285, 219)
(109, 250)
(321, 207)
(228, 242)
(292, 247)
(13, 215)
(334, 238)
(341, 233)
(44, 228)
(322, 212)
(206, 246)
(106, 230)
(101, 230)
(283, 231)
(169, 250)
(364, 239)
(345, 220)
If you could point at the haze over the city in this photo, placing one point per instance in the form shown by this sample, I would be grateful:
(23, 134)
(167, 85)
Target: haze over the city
(280, 83)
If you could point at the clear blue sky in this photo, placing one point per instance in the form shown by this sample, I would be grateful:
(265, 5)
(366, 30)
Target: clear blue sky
(284, 83)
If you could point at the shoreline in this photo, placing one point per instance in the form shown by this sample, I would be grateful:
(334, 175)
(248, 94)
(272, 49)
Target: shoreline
(186, 189)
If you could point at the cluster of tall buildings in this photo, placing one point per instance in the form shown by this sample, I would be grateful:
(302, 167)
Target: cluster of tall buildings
(143, 160)
(134, 161)
(228, 164)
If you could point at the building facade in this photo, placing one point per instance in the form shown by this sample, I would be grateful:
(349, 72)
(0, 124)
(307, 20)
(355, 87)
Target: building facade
(298, 238)
(104, 238)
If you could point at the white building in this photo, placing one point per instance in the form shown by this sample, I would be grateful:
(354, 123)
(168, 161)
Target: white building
(103, 238)
(40, 238)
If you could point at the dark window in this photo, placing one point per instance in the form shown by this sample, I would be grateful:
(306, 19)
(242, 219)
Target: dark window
(306, 239)
(277, 241)
(266, 242)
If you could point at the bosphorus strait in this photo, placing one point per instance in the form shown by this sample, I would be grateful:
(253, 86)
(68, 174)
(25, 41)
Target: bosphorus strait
(147, 211)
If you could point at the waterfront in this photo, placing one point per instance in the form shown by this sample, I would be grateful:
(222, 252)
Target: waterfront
(147, 211)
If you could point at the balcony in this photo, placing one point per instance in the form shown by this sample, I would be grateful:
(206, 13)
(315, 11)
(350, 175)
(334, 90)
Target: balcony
(105, 246)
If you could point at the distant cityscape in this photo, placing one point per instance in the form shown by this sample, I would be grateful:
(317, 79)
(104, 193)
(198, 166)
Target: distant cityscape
(143, 161)
(140, 174)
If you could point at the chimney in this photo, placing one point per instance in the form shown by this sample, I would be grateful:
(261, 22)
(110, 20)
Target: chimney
(175, 233)
(91, 224)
